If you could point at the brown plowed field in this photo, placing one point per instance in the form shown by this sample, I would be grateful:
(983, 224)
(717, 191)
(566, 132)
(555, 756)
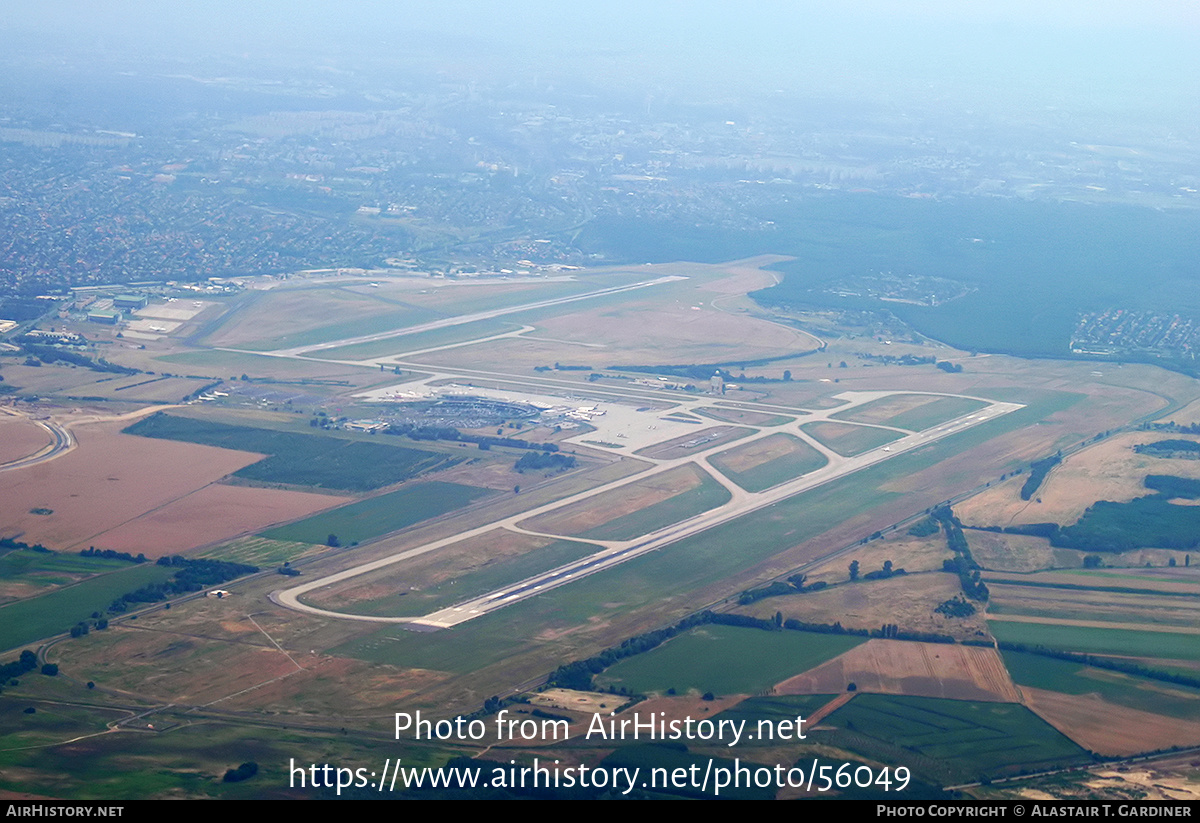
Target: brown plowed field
(143, 490)
(914, 669)
(20, 438)
(1107, 728)
(208, 515)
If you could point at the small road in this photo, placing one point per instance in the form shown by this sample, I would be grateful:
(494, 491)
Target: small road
(61, 443)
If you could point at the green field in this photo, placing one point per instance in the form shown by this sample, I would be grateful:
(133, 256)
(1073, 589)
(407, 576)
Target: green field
(493, 576)
(322, 461)
(1098, 640)
(975, 739)
(920, 418)
(773, 472)
(57, 611)
(849, 440)
(51, 568)
(725, 660)
(1141, 693)
(375, 516)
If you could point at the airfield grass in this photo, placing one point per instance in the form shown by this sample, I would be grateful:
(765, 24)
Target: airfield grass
(301, 459)
(789, 466)
(1128, 690)
(924, 416)
(647, 588)
(236, 362)
(480, 581)
(375, 516)
(418, 341)
(848, 440)
(357, 327)
(707, 495)
(57, 611)
(725, 660)
(1100, 640)
(975, 738)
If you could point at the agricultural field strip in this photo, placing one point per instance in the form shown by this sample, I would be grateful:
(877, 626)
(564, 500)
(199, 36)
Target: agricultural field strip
(463, 319)
(1093, 624)
(742, 503)
(61, 443)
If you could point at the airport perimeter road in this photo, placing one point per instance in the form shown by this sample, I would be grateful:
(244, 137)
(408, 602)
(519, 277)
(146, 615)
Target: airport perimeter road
(61, 443)
(614, 553)
(463, 319)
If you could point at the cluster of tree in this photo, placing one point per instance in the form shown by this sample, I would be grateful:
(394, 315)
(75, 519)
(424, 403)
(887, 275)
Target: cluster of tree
(414, 432)
(243, 772)
(956, 607)
(896, 360)
(578, 675)
(793, 585)
(109, 554)
(9, 543)
(50, 354)
(1142, 522)
(948, 367)
(537, 461)
(561, 367)
(27, 662)
(884, 573)
(1170, 448)
(191, 576)
(1171, 487)
(962, 563)
(1037, 473)
(925, 528)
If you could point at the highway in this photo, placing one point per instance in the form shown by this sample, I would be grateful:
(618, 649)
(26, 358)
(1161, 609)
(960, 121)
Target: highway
(61, 442)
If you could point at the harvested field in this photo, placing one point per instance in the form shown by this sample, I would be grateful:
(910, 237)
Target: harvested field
(1108, 470)
(748, 418)
(916, 669)
(1107, 728)
(768, 461)
(1018, 552)
(913, 554)
(693, 442)
(20, 437)
(908, 601)
(578, 518)
(213, 513)
(108, 480)
(849, 440)
(1153, 603)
